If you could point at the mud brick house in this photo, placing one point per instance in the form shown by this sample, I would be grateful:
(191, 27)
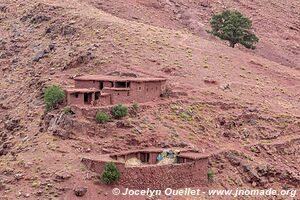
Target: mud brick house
(97, 90)
(190, 170)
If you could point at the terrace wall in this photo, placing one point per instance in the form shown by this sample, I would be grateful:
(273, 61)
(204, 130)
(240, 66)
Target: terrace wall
(181, 175)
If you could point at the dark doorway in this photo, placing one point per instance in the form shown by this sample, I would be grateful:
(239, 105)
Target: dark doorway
(97, 95)
(87, 98)
(101, 85)
(145, 157)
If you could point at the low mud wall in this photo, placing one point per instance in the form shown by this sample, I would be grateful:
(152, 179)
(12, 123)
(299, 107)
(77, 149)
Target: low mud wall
(179, 175)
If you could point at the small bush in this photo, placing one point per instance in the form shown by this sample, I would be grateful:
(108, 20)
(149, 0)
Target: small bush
(134, 108)
(210, 175)
(53, 95)
(119, 111)
(110, 174)
(67, 110)
(102, 117)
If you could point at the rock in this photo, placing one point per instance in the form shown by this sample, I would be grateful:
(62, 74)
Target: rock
(64, 134)
(104, 150)
(39, 19)
(2, 185)
(252, 109)
(233, 159)
(225, 87)
(205, 4)
(19, 176)
(79, 59)
(61, 176)
(60, 125)
(27, 195)
(168, 69)
(228, 134)
(68, 30)
(39, 55)
(245, 133)
(123, 124)
(80, 191)
(210, 81)
(3, 9)
(12, 124)
(51, 47)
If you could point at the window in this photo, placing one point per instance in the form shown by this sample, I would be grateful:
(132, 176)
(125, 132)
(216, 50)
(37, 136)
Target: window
(76, 95)
(140, 88)
(120, 84)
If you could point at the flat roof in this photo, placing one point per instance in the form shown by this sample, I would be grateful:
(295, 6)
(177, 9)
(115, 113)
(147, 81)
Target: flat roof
(82, 90)
(184, 153)
(117, 78)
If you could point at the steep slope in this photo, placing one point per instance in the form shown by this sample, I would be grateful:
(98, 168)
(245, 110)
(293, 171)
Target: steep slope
(231, 100)
(275, 22)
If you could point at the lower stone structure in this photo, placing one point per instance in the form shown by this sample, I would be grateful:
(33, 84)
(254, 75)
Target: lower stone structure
(190, 170)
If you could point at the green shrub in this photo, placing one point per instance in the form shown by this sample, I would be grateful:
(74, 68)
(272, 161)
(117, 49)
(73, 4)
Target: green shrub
(110, 174)
(210, 175)
(67, 110)
(53, 95)
(119, 111)
(102, 117)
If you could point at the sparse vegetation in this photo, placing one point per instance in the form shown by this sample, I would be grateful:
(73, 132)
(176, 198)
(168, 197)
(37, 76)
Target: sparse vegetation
(53, 95)
(67, 110)
(167, 92)
(210, 175)
(134, 108)
(110, 174)
(102, 117)
(119, 111)
(233, 27)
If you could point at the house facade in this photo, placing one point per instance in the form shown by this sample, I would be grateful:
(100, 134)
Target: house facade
(97, 90)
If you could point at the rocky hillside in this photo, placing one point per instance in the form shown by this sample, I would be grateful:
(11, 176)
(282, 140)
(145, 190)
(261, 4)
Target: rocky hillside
(240, 106)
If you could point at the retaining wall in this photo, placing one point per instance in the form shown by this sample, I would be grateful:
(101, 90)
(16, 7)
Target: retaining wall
(191, 173)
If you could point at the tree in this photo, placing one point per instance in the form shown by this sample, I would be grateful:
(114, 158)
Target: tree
(53, 95)
(233, 27)
(110, 174)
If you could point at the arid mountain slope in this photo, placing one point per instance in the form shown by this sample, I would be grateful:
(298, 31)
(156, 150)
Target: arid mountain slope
(276, 23)
(231, 103)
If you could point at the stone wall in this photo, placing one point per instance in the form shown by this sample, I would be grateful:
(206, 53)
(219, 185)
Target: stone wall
(87, 84)
(73, 100)
(181, 175)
